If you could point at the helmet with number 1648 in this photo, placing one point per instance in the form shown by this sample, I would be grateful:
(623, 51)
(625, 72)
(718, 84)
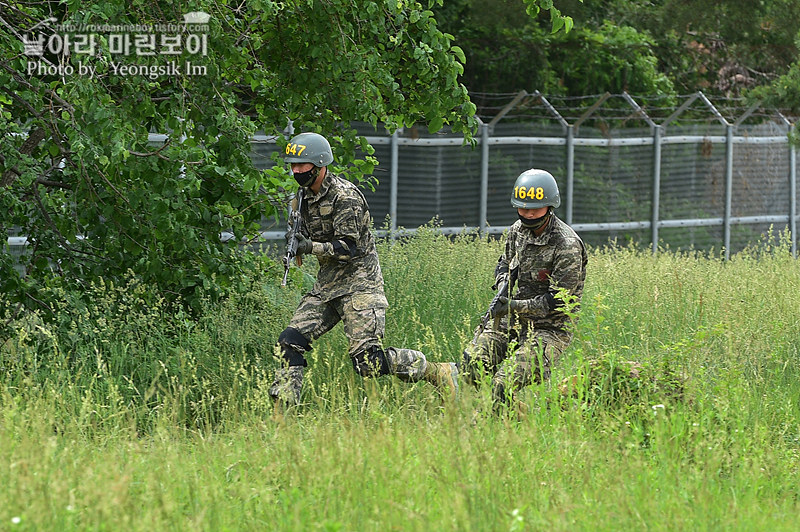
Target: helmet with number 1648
(309, 148)
(535, 189)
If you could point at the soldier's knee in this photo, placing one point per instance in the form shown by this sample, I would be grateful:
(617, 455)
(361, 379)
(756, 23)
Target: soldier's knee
(470, 367)
(475, 364)
(540, 374)
(293, 344)
(511, 377)
(500, 394)
(371, 362)
(541, 364)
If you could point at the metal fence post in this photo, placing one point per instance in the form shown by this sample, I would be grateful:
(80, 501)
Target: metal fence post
(393, 182)
(657, 133)
(570, 171)
(484, 178)
(793, 193)
(726, 231)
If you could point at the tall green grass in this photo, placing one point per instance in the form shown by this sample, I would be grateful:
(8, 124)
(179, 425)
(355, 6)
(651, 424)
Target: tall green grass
(126, 414)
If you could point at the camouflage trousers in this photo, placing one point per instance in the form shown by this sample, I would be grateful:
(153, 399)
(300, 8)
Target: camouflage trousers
(363, 316)
(536, 352)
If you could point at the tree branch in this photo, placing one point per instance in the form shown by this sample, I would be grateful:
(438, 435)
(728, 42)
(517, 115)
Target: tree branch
(53, 184)
(150, 153)
(49, 220)
(34, 138)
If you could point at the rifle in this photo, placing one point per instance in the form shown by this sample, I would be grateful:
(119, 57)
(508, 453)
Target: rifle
(503, 291)
(295, 221)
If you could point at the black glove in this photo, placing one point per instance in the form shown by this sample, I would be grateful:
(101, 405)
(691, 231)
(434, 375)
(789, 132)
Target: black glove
(304, 245)
(289, 233)
(553, 302)
(500, 308)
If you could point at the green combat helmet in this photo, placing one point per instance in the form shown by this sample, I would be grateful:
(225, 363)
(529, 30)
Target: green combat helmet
(309, 148)
(535, 189)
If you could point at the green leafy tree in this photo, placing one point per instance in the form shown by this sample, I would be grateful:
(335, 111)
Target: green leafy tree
(506, 42)
(506, 50)
(96, 199)
(509, 49)
(723, 47)
(609, 58)
(783, 93)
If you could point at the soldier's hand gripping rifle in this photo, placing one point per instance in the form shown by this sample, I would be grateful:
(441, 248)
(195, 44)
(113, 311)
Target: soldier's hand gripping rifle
(295, 221)
(504, 291)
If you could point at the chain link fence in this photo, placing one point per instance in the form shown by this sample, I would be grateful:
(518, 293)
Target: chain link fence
(677, 173)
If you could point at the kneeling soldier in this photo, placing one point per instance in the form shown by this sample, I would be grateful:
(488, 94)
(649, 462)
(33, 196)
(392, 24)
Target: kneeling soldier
(543, 256)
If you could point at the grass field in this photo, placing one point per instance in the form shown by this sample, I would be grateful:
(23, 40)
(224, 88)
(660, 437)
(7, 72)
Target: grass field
(122, 415)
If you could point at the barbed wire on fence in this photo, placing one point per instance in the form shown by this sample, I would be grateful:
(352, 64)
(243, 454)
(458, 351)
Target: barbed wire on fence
(681, 173)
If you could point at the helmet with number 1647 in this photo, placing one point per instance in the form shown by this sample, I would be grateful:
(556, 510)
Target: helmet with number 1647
(309, 148)
(535, 189)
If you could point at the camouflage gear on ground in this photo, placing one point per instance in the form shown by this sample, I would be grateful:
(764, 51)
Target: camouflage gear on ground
(338, 221)
(412, 366)
(554, 259)
(287, 385)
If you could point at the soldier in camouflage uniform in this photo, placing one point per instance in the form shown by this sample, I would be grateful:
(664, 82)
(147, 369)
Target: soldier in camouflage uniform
(336, 229)
(543, 256)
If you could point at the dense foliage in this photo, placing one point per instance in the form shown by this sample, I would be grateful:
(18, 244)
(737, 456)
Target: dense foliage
(95, 198)
(656, 47)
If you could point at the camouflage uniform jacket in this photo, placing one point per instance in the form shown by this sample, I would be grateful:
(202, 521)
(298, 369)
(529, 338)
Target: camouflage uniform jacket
(554, 259)
(338, 221)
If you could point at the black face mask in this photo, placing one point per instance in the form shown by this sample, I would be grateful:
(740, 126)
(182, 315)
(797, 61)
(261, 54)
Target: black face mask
(305, 179)
(535, 223)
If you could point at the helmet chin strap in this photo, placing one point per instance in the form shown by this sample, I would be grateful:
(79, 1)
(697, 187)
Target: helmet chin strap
(536, 223)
